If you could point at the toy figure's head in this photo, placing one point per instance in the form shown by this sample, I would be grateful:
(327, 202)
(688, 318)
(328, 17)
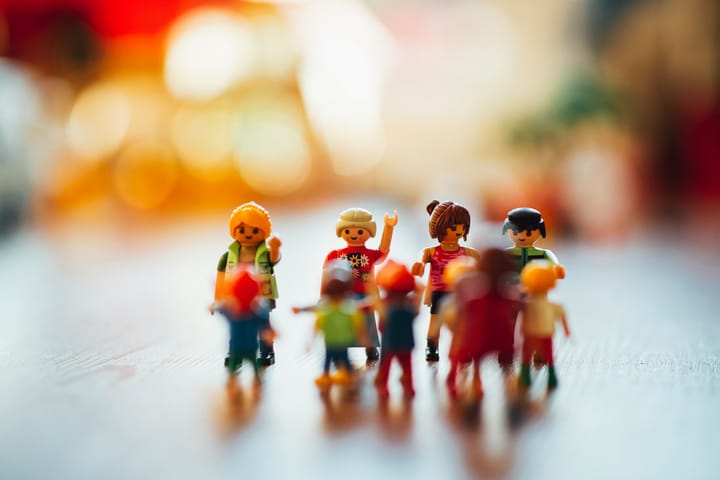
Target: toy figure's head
(457, 268)
(355, 226)
(395, 278)
(538, 276)
(337, 279)
(241, 289)
(449, 221)
(250, 224)
(524, 226)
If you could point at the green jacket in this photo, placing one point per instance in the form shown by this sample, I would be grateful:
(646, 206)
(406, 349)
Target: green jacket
(263, 267)
(526, 255)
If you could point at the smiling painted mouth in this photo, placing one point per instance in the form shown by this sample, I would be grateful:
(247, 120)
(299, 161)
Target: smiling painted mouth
(353, 238)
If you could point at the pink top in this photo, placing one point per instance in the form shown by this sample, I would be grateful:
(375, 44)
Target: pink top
(361, 259)
(438, 262)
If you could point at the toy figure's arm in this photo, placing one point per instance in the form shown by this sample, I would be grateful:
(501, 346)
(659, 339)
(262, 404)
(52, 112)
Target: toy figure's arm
(559, 269)
(418, 268)
(563, 319)
(274, 244)
(417, 297)
(310, 308)
(387, 234)
(219, 280)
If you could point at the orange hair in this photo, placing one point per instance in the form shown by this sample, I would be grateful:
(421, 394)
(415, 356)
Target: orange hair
(253, 215)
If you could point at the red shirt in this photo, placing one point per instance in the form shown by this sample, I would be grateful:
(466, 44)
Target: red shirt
(361, 260)
(438, 262)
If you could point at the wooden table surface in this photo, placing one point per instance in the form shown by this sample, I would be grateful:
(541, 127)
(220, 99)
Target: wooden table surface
(111, 366)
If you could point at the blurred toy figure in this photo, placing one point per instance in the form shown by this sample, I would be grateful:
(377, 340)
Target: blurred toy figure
(254, 248)
(356, 226)
(484, 312)
(245, 309)
(398, 309)
(449, 222)
(537, 319)
(339, 318)
(524, 226)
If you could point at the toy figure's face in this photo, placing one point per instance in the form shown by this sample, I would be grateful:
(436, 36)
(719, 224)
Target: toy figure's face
(524, 239)
(355, 236)
(454, 233)
(248, 236)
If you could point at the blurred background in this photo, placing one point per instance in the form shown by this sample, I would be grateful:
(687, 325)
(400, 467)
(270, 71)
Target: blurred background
(600, 113)
(129, 129)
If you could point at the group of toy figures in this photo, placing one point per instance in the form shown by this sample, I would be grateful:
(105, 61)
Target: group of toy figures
(479, 296)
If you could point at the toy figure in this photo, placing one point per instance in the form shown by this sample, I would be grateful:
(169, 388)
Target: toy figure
(253, 247)
(537, 319)
(247, 314)
(485, 316)
(356, 227)
(397, 309)
(340, 320)
(449, 222)
(524, 226)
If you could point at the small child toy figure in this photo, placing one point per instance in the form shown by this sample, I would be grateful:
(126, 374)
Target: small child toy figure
(449, 222)
(397, 309)
(253, 247)
(356, 227)
(537, 319)
(340, 320)
(485, 316)
(524, 226)
(248, 317)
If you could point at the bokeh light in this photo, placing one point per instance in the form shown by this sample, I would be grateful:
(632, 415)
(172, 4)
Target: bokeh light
(208, 52)
(145, 174)
(99, 121)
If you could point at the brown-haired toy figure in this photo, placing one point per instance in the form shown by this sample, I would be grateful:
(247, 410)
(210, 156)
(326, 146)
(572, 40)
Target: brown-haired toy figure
(449, 222)
(252, 248)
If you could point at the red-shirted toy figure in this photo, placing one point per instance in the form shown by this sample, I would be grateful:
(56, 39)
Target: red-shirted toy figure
(356, 226)
(449, 222)
(484, 312)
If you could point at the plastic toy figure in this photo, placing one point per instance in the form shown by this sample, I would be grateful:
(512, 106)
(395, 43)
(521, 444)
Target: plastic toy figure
(340, 320)
(485, 316)
(449, 222)
(242, 305)
(254, 248)
(537, 319)
(524, 226)
(356, 226)
(397, 309)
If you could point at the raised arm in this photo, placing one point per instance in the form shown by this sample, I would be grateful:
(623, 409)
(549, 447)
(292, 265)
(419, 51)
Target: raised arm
(387, 233)
(274, 244)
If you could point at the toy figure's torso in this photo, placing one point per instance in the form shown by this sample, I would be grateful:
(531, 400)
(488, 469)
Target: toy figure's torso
(439, 260)
(539, 316)
(361, 260)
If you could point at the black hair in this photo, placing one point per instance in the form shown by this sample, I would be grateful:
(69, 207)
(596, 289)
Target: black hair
(524, 218)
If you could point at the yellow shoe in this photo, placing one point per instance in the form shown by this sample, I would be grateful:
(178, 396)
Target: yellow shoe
(323, 380)
(342, 377)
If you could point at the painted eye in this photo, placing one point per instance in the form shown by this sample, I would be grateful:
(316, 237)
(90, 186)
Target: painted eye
(453, 228)
(242, 230)
(347, 232)
(256, 231)
(360, 232)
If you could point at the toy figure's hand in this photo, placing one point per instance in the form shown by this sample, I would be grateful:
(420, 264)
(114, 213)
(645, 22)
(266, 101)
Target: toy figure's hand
(391, 221)
(268, 335)
(274, 243)
(418, 269)
(559, 271)
(211, 309)
(296, 310)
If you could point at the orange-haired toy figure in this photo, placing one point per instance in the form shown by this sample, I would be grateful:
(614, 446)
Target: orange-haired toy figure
(485, 316)
(242, 305)
(538, 317)
(254, 248)
(398, 309)
(449, 222)
(356, 226)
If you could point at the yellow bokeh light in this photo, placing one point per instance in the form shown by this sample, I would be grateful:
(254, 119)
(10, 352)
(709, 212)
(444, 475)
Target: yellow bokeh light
(99, 121)
(203, 140)
(271, 154)
(145, 174)
(208, 52)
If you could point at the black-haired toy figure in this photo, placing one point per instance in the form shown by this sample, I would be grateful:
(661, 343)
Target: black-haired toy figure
(340, 319)
(253, 248)
(524, 226)
(248, 317)
(537, 319)
(449, 222)
(356, 226)
(397, 309)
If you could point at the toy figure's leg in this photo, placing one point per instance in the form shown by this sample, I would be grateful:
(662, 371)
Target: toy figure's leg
(476, 381)
(548, 355)
(431, 350)
(324, 379)
(232, 364)
(267, 353)
(528, 348)
(343, 374)
(371, 352)
(382, 375)
(405, 360)
(452, 377)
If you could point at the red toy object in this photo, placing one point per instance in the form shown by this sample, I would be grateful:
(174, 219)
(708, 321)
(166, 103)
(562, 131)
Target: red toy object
(485, 317)
(398, 309)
